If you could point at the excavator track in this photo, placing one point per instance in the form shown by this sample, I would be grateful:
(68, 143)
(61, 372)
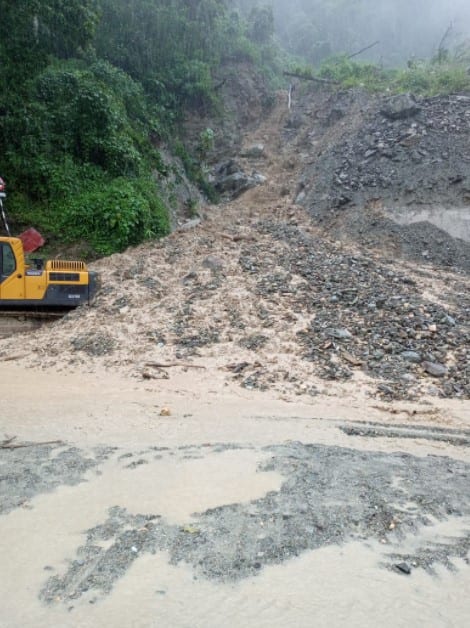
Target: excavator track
(16, 322)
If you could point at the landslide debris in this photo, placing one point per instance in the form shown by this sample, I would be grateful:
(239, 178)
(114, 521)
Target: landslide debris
(34, 468)
(418, 156)
(277, 305)
(330, 495)
(375, 157)
(257, 291)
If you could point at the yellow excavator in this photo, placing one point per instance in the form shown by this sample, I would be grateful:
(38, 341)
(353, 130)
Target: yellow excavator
(40, 285)
(50, 284)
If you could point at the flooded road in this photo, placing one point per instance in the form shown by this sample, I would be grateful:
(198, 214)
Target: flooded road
(234, 535)
(231, 512)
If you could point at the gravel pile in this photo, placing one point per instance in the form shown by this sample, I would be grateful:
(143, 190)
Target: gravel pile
(366, 314)
(418, 156)
(281, 309)
(377, 157)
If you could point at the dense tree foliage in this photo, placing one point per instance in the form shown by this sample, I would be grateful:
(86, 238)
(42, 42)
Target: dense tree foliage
(87, 85)
(174, 47)
(31, 30)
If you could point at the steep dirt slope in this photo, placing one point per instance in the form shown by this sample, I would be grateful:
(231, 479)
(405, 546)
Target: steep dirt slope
(389, 172)
(258, 292)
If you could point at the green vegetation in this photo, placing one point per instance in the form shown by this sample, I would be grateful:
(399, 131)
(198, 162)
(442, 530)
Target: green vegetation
(424, 78)
(89, 88)
(78, 135)
(432, 78)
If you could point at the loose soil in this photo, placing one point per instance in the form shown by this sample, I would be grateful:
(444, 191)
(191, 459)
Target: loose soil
(255, 424)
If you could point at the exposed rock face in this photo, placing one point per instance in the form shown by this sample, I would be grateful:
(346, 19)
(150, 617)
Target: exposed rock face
(178, 191)
(246, 98)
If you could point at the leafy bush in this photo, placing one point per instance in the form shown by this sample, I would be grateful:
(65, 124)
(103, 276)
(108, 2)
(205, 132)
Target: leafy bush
(114, 216)
(79, 157)
(355, 74)
(431, 79)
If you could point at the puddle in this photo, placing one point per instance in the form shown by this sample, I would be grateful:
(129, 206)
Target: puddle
(246, 558)
(47, 531)
(333, 586)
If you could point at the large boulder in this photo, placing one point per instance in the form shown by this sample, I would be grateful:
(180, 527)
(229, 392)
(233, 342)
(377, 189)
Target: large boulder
(256, 151)
(230, 180)
(400, 107)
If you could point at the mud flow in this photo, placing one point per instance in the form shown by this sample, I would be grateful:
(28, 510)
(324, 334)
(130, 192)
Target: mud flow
(263, 420)
(187, 534)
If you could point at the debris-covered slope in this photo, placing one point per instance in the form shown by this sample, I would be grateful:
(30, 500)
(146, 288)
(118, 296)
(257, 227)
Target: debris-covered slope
(405, 152)
(258, 291)
(372, 161)
(273, 303)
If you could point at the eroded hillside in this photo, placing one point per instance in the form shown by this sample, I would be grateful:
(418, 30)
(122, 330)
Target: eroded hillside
(260, 292)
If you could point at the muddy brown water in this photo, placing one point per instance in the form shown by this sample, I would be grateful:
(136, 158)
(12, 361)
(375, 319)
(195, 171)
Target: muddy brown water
(343, 584)
(78, 551)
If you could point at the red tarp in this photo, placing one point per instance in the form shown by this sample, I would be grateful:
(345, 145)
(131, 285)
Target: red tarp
(31, 239)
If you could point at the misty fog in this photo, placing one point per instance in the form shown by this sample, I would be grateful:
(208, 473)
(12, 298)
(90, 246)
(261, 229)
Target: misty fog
(405, 29)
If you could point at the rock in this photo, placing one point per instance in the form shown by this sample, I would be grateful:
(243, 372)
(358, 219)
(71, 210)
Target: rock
(258, 178)
(254, 152)
(165, 412)
(294, 121)
(400, 107)
(232, 184)
(154, 374)
(336, 114)
(340, 334)
(235, 184)
(403, 568)
(435, 369)
(189, 224)
(412, 356)
(228, 167)
(448, 320)
(213, 263)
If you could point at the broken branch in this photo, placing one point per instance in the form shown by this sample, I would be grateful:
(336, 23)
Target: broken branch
(316, 79)
(355, 54)
(163, 365)
(9, 444)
